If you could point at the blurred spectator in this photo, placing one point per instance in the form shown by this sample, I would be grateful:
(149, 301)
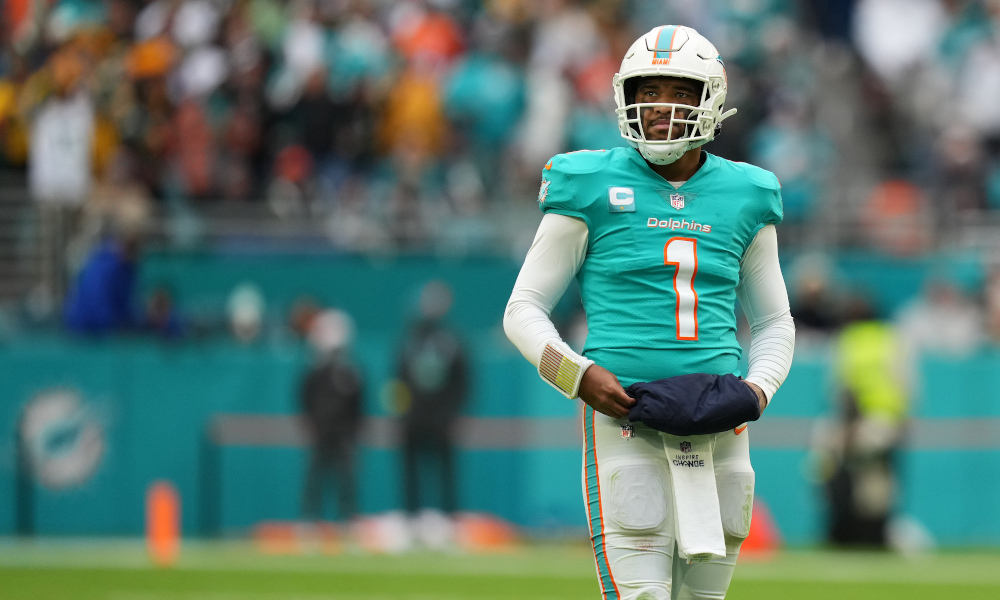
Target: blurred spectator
(859, 454)
(162, 316)
(592, 120)
(896, 219)
(433, 368)
(245, 312)
(942, 320)
(897, 36)
(336, 131)
(816, 305)
(302, 314)
(291, 189)
(796, 152)
(146, 115)
(484, 96)
(359, 56)
(565, 39)
(60, 159)
(196, 22)
(425, 33)
(992, 301)
(240, 153)
(14, 127)
(974, 47)
(116, 199)
(102, 300)
(413, 127)
(304, 43)
(331, 399)
(830, 18)
(961, 178)
(317, 117)
(191, 147)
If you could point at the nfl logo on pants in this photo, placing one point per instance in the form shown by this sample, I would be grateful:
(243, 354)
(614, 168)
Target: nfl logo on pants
(685, 447)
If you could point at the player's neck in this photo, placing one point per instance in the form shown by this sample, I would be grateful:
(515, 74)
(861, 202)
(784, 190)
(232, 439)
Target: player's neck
(681, 169)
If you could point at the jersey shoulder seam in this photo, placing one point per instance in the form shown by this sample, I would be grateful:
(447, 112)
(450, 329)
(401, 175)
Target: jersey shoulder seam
(580, 162)
(757, 176)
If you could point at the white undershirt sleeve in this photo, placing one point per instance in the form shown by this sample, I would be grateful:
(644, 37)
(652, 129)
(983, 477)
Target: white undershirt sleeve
(552, 262)
(764, 299)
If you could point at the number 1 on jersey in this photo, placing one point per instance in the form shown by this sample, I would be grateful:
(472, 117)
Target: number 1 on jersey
(682, 253)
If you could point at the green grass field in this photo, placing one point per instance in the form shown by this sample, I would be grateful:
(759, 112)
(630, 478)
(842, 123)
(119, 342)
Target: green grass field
(120, 570)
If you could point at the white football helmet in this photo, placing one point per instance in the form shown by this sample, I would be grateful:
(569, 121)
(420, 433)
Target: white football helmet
(674, 51)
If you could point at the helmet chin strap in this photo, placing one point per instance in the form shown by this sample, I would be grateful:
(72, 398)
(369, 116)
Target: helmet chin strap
(663, 154)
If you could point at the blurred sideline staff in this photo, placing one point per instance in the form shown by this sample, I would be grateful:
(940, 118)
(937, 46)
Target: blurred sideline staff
(433, 369)
(859, 458)
(331, 398)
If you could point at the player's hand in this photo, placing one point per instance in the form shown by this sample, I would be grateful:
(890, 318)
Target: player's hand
(602, 391)
(761, 398)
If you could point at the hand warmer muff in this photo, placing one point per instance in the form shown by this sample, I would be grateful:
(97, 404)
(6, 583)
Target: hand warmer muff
(693, 404)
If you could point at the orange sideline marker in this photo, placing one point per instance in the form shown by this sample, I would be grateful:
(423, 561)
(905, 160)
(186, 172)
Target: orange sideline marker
(765, 538)
(163, 523)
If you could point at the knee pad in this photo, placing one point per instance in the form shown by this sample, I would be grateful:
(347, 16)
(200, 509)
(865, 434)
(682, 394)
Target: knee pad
(736, 503)
(638, 500)
(653, 593)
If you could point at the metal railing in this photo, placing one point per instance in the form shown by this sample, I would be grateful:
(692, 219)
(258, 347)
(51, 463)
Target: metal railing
(19, 243)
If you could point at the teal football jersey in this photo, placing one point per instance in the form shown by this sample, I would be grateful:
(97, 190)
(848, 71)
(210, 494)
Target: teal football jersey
(662, 264)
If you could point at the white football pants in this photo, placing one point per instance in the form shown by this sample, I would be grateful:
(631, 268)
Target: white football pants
(627, 492)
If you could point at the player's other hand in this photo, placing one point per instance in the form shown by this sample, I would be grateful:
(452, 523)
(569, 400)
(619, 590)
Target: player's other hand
(600, 389)
(761, 398)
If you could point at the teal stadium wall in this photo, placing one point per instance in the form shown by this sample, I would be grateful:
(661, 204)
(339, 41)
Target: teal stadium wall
(155, 400)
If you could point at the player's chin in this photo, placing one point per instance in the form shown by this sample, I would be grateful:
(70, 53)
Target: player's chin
(660, 134)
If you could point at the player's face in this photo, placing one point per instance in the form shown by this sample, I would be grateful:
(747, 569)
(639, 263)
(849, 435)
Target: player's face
(668, 90)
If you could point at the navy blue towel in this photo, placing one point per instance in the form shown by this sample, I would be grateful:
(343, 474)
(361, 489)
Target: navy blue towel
(693, 404)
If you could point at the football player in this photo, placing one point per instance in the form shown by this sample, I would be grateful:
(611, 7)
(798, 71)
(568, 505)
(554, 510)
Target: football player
(663, 238)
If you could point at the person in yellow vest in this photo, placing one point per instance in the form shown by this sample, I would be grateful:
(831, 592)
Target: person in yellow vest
(860, 458)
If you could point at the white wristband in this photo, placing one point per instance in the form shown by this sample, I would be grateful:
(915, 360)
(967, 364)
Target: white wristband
(562, 368)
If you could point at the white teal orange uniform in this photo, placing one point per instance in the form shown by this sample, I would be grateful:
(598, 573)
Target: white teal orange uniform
(659, 280)
(660, 266)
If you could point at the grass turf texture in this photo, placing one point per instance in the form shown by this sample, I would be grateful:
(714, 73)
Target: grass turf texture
(85, 570)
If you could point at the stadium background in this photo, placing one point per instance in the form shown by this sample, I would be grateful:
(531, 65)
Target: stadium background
(350, 151)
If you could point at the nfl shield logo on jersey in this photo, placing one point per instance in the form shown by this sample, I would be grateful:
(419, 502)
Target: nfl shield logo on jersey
(677, 201)
(685, 447)
(628, 431)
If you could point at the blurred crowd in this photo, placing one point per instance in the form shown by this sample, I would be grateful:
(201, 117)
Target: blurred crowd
(416, 123)
(419, 125)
